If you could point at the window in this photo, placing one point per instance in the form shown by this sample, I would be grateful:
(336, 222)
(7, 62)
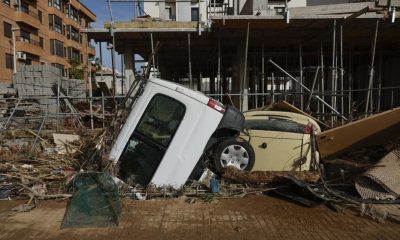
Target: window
(72, 33)
(7, 30)
(168, 13)
(9, 61)
(74, 54)
(161, 119)
(41, 42)
(24, 7)
(56, 48)
(57, 4)
(195, 14)
(55, 23)
(274, 124)
(6, 3)
(25, 36)
(74, 14)
(50, 3)
(40, 16)
(149, 142)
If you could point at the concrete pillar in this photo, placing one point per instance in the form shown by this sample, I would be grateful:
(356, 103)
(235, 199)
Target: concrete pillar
(212, 84)
(129, 63)
(199, 81)
(243, 85)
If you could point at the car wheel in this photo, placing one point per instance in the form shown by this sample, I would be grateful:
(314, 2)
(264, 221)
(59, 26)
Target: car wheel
(233, 152)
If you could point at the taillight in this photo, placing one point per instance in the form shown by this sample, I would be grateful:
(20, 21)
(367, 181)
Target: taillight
(308, 129)
(216, 105)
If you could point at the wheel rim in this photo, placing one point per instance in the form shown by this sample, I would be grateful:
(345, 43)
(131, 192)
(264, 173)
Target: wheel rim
(236, 156)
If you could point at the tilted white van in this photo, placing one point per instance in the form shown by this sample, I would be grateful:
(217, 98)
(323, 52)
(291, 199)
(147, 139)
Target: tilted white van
(167, 132)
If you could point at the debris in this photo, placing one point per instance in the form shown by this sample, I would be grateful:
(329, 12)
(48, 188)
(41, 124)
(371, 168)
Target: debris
(5, 190)
(381, 182)
(63, 141)
(214, 185)
(379, 129)
(267, 177)
(22, 208)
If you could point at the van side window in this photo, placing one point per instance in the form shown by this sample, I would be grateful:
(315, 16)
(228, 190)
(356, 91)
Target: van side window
(161, 119)
(146, 147)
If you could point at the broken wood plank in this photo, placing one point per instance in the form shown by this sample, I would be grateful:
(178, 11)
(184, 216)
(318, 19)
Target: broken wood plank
(374, 130)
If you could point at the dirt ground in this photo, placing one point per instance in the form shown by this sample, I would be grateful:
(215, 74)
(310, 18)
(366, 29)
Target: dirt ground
(244, 218)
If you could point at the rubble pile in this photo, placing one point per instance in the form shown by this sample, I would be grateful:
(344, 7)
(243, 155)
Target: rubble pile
(46, 171)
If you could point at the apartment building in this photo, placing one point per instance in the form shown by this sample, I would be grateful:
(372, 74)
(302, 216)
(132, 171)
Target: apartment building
(183, 10)
(46, 32)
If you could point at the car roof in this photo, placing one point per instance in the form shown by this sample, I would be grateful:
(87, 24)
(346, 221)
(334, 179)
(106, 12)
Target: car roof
(300, 118)
(199, 96)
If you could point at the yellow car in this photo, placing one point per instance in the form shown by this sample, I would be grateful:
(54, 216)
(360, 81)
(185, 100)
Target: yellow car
(274, 141)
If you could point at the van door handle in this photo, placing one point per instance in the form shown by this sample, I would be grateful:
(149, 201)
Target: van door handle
(263, 145)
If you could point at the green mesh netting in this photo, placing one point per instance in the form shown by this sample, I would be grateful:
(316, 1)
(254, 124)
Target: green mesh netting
(95, 203)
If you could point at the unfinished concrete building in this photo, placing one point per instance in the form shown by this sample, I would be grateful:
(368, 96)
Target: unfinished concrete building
(346, 56)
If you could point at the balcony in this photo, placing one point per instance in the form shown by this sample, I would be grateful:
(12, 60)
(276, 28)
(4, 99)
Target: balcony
(72, 22)
(28, 45)
(29, 17)
(73, 43)
(91, 50)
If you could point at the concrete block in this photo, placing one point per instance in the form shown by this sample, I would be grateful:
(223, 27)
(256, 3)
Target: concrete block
(47, 74)
(37, 74)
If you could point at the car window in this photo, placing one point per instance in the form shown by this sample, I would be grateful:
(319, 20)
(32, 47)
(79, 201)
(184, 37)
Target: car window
(161, 119)
(274, 124)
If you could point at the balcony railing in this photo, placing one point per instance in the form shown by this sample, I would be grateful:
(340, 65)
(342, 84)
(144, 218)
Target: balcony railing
(28, 40)
(30, 13)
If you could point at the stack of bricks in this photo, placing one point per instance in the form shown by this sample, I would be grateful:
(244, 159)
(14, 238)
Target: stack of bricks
(38, 81)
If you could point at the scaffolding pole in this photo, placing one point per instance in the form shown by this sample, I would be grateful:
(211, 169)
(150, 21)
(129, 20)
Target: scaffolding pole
(380, 82)
(219, 66)
(189, 62)
(322, 81)
(307, 89)
(312, 89)
(90, 82)
(371, 71)
(341, 72)
(350, 74)
(272, 88)
(262, 74)
(301, 76)
(152, 52)
(244, 88)
(333, 98)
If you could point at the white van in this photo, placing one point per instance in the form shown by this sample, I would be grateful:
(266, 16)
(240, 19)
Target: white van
(168, 130)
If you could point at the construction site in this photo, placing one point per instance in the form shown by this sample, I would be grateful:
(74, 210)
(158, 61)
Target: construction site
(243, 119)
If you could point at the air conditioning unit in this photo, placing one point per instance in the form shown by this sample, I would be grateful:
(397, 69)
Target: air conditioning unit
(21, 55)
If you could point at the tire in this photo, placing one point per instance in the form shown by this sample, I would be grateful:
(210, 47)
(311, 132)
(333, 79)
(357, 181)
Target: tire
(234, 152)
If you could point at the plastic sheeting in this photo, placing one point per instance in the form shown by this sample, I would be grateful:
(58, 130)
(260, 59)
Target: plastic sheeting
(96, 202)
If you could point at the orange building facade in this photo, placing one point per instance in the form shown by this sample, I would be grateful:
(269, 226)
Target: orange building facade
(44, 32)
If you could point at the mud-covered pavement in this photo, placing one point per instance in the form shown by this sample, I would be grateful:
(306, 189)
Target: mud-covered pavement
(244, 218)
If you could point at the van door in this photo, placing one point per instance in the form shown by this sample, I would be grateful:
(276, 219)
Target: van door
(150, 140)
